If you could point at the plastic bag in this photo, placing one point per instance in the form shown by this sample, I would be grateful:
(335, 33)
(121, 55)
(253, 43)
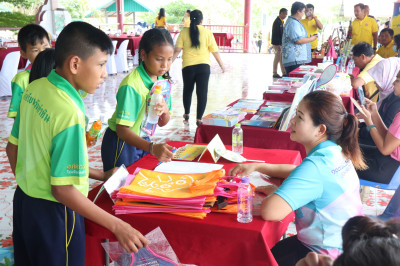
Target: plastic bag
(158, 252)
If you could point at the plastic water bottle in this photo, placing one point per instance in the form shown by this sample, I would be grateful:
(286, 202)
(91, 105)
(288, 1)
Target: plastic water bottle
(244, 202)
(237, 139)
(156, 98)
(93, 133)
(350, 67)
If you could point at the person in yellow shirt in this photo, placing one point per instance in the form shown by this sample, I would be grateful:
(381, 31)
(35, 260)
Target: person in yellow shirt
(161, 21)
(386, 39)
(365, 59)
(312, 24)
(364, 28)
(186, 19)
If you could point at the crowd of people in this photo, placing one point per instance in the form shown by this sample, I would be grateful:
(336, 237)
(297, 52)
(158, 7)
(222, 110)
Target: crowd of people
(47, 148)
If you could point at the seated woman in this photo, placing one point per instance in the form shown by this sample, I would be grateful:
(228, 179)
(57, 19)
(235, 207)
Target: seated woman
(384, 158)
(324, 189)
(365, 242)
(384, 74)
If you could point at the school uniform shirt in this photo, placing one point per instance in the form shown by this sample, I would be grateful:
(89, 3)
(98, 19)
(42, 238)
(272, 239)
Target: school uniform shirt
(324, 193)
(277, 31)
(132, 97)
(50, 133)
(387, 51)
(362, 30)
(192, 55)
(311, 28)
(370, 86)
(162, 22)
(18, 86)
(394, 129)
(293, 53)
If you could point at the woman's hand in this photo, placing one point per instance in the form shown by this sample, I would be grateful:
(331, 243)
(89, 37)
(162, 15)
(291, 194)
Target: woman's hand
(371, 106)
(314, 259)
(366, 115)
(243, 169)
(163, 152)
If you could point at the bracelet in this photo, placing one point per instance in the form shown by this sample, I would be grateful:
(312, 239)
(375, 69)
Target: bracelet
(370, 127)
(151, 147)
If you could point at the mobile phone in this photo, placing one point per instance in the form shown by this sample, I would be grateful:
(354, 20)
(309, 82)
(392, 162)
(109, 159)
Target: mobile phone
(361, 95)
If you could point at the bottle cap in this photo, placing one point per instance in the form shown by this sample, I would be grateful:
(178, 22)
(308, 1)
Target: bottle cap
(237, 125)
(245, 180)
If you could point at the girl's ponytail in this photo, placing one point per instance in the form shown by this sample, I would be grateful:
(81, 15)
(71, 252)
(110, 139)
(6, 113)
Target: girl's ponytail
(195, 19)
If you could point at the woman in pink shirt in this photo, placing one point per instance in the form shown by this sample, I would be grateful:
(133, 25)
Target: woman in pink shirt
(387, 141)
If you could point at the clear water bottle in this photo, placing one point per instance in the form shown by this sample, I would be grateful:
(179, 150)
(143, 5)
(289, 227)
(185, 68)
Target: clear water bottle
(156, 98)
(245, 202)
(350, 67)
(237, 139)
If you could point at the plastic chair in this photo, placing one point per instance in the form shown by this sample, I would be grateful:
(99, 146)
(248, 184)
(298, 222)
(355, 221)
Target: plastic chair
(121, 59)
(393, 184)
(111, 65)
(7, 72)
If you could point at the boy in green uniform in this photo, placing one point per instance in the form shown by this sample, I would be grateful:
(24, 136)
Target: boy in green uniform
(32, 39)
(48, 154)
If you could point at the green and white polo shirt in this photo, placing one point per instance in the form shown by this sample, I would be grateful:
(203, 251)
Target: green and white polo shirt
(18, 86)
(132, 95)
(50, 133)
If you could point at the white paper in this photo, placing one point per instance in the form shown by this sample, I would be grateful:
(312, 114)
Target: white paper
(179, 167)
(117, 180)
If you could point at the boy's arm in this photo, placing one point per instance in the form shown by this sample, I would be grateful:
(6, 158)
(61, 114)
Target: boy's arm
(130, 239)
(12, 152)
(100, 175)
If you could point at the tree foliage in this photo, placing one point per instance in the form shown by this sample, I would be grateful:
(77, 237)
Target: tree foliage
(15, 20)
(77, 9)
(27, 4)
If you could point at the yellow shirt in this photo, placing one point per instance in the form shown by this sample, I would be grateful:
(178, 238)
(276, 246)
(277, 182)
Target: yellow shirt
(370, 86)
(362, 30)
(186, 22)
(311, 28)
(387, 51)
(160, 22)
(192, 55)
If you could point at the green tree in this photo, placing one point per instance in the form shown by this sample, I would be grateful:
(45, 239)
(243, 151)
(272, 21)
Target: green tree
(24, 3)
(77, 9)
(174, 12)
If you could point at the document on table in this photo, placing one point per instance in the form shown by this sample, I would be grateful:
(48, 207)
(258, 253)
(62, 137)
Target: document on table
(175, 167)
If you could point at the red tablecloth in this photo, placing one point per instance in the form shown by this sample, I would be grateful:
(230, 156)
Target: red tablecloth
(217, 240)
(288, 97)
(223, 39)
(4, 52)
(315, 61)
(297, 73)
(133, 41)
(255, 137)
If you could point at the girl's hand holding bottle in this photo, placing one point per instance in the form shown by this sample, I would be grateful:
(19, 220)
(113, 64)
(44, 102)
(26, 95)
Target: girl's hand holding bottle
(161, 108)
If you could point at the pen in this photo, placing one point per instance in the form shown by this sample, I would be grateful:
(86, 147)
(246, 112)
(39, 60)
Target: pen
(174, 150)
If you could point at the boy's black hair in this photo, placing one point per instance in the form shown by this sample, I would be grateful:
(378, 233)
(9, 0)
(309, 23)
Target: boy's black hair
(282, 10)
(155, 36)
(81, 39)
(310, 6)
(44, 63)
(297, 6)
(31, 33)
(362, 48)
(388, 30)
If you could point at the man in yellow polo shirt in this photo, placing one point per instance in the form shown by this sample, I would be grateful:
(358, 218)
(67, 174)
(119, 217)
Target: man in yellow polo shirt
(365, 59)
(386, 39)
(312, 24)
(364, 28)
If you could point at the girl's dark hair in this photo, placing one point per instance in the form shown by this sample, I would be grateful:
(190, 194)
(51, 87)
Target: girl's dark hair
(370, 242)
(161, 13)
(341, 127)
(152, 37)
(195, 18)
(45, 62)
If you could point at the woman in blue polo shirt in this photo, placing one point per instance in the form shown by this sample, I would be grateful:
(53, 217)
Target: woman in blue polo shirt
(324, 189)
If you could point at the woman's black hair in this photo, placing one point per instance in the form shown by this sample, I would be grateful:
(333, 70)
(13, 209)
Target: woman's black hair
(152, 37)
(327, 109)
(195, 19)
(370, 242)
(45, 62)
(161, 13)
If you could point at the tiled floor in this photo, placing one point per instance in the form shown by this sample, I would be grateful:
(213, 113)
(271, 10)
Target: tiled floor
(247, 75)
